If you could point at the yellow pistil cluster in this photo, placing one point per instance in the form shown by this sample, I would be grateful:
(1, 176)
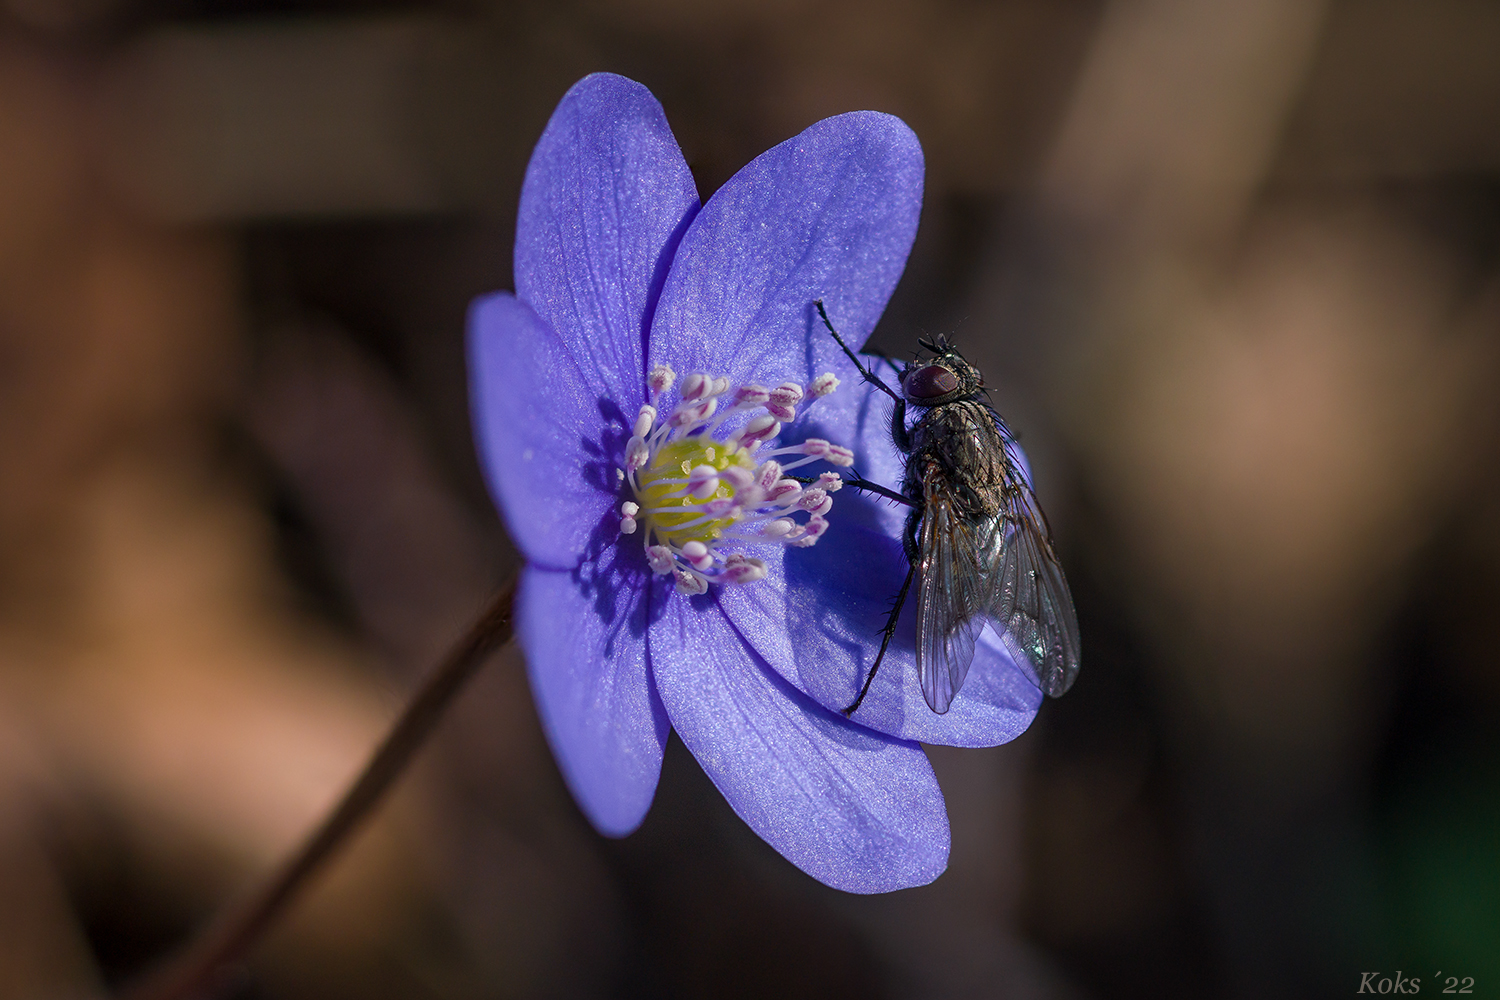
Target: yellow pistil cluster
(661, 485)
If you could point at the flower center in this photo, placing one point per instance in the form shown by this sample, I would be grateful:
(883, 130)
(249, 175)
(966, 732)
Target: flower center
(697, 492)
(703, 466)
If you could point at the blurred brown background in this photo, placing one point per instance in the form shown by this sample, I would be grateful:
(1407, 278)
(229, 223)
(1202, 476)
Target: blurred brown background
(1234, 268)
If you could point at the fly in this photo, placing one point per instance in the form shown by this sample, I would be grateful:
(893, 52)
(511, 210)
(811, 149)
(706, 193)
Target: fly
(976, 540)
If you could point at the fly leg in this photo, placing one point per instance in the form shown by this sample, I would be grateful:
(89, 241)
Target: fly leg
(859, 482)
(885, 641)
(898, 416)
(909, 539)
(902, 439)
(869, 376)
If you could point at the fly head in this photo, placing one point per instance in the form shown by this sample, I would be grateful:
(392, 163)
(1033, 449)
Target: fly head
(944, 378)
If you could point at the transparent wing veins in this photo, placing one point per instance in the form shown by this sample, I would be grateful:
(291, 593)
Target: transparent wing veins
(950, 599)
(1028, 595)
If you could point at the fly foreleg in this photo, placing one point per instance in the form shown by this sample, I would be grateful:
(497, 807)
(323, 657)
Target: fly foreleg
(900, 436)
(868, 375)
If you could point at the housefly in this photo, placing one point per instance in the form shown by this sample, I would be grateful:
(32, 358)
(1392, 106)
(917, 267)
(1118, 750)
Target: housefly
(976, 539)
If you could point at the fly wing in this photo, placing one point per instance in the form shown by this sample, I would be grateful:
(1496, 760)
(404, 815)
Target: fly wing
(1029, 596)
(950, 598)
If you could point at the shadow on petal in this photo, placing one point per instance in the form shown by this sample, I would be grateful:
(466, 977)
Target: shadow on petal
(615, 579)
(838, 596)
(605, 452)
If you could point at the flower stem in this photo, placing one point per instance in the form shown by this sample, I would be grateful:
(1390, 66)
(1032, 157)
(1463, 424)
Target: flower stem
(201, 966)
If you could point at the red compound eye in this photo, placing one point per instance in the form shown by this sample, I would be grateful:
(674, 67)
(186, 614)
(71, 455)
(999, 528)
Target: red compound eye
(930, 382)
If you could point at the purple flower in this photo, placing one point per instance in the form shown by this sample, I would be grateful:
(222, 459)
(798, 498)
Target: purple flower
(638, 402)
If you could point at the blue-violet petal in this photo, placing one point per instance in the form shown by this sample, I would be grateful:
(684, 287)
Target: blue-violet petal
(547, 439)
(606, 197)
(856, 810)
(828, 214)
(586, 656)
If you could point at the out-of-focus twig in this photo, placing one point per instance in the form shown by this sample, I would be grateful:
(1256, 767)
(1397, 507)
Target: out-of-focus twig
(198, 969)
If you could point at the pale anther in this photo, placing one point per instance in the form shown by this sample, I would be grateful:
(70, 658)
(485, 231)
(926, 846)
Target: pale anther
(697, 555)
(787, 394)
(757, 430)
(696, 386)
(745, 571)
(660, 379)
(738, 477)
(779, 527)
(815, 501)
(690, 584)
(636, 454)
(822, 385)
(751, 395)
(703, 481)
(660, 559)
(813, 531)
(785, 492)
